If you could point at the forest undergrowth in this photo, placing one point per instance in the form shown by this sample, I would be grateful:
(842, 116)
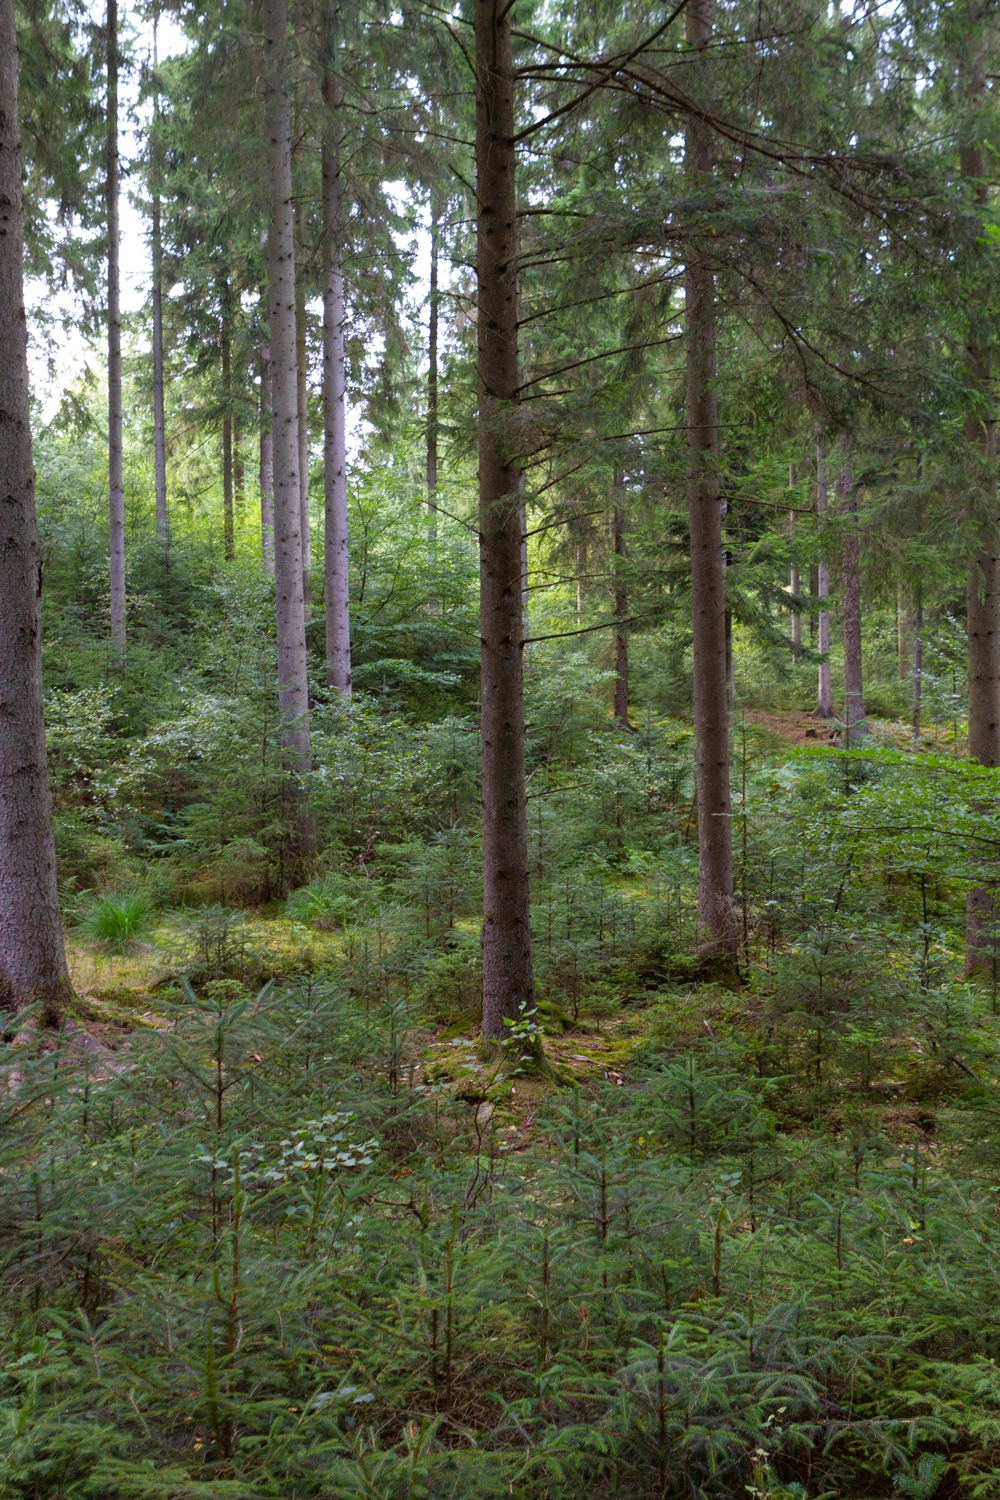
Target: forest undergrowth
(274, 1225)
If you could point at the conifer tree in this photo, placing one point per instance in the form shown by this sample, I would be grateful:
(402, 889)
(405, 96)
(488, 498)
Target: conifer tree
(335, 537)
(508, 982)
(293, 686)
(116, 478)
(716, 909)
(850, 574)
(824, 699)
(156, 301)
(32, 957)
(621, 603)
(983, 587)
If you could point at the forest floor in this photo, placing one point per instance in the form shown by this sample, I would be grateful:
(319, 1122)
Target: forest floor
(804, 728)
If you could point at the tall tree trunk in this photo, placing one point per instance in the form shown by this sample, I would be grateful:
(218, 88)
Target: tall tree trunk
(621, 605)
(983, 588)
(32, 958)
(813, 591)
(227, 433)
(716, 907)
(824, 696)
(302, 396)
(116, 480)
(159, 423)
(508, 979)
(293, 683)
(335, 539)
(266, 471)
(850, 581)
(432, 389)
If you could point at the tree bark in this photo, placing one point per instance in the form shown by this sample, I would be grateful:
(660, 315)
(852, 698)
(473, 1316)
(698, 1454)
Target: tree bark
(239, 472)
(335, 539)
(918, 658)
(302, 397)
(716, 907)
(227, 433)
(794, 582)
(850, 582)
(116, 481)
(904, 632)
(522, 517)
(293, 684)
(266, 470)
(983, 586)
(159, 422)
(824, 696)
(621, 605)
(432, 390)
(508, 979)
(32, 957)
(983, 596)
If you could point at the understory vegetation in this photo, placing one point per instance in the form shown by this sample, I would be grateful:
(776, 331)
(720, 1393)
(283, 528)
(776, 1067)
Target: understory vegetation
(272, 1222)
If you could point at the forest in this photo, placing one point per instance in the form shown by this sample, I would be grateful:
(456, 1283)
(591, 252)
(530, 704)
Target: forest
(499, 750)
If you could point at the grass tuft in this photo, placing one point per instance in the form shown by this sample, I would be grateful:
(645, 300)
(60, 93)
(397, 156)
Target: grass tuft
(117, 920)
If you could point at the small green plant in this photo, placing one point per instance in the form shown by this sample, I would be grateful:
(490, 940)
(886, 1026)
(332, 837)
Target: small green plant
(323, 903)
(117, 920)
(924, 1479)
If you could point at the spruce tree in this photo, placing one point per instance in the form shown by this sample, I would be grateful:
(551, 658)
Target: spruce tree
(116, 478)
(508, 982)
(293, 685)
(32, 957)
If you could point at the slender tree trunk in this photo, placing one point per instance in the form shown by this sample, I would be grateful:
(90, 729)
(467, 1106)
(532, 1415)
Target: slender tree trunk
(983, 597)
(824, 697)
(523, 522)
(227, 434)
(266, 472)
(293, 684)
(916, 612)
(813, 590)
(508, 979)
(116, 480)
(239, 471)
(794, 581)
(918, 658)
(159, 423)
(716, 908)
(432, 390)
(850, 578)
(983, 588)
(621, 605)
(794, 584)
(904, 632)
(338, 598)
(302, 395)
(32, 958)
